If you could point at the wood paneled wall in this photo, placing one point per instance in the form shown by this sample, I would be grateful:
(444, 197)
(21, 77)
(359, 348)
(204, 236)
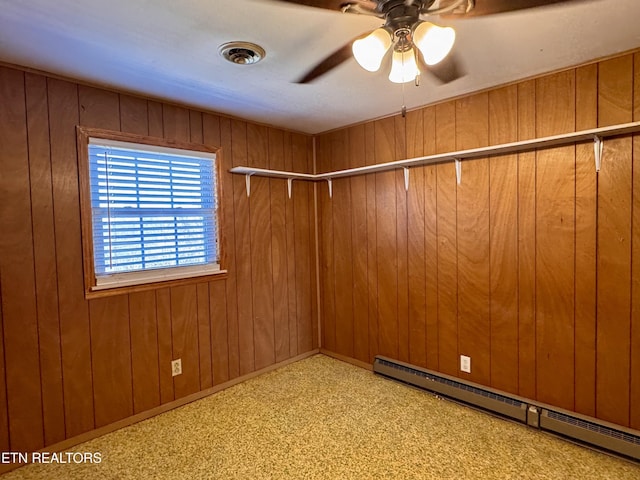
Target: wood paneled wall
(69, 365)
(531, 266)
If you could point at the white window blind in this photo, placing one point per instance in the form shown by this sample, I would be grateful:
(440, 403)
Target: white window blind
(153, 209)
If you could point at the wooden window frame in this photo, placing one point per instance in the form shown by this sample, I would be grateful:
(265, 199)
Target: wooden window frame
(84, 135)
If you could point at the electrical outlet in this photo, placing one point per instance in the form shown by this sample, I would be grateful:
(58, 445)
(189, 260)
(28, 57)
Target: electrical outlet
(465, 363)
(176, 367)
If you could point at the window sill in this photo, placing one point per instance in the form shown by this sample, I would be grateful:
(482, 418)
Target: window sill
(101, 292)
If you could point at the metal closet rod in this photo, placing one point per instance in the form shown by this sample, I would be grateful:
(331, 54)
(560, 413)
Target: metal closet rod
(596, 135)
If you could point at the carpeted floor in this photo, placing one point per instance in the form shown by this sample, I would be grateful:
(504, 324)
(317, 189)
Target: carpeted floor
(324, 419)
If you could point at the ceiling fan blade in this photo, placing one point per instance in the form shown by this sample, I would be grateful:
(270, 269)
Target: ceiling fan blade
(490, 7)
(329, 63)
(447, 70)
(333, 4)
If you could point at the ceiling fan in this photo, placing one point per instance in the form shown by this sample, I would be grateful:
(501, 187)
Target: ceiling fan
(407, 33)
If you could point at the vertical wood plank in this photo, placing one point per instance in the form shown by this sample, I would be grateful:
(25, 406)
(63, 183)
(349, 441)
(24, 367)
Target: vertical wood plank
(165, 348)
(327, 264)
(615, 105)
(72, 307)
(447, 242)
(635, 257)
(279, 254)
(243, 251)
(111, 359)
(261, 253)
(503, 213)
(372, 244)
(290, 253)
(305, 249)
(109, 316)
(342, 244)
(473, 255)
(586, 195)
(359, 245)
(4, 410)
(218, 131)
(195, 127)
(45, 258)
(555, 248)
(416, 243)
(144, 351)
(386, 240)
(527, 243)
(431, 239)
(219, 332)
(134, 117)
(204, 335)
(184, 333)
(402, 241)
(20, 315)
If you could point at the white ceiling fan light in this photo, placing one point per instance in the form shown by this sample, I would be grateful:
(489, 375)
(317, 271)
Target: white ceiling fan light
(404, 67)
(370, 50)
(434, 42)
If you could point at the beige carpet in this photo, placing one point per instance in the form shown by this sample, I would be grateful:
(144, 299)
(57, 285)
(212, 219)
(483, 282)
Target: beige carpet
(322, 418)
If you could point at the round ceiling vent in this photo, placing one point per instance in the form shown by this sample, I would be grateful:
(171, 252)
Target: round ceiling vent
(242, 53)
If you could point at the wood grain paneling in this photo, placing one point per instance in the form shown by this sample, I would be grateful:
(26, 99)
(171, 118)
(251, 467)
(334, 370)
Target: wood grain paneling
(359, 245)
(327, 264)
(342, 244)
(555, 248)
(72, 307)
(229, 185)
(279, 252)
(527, 243)
(635, 256)
(402, 241)
(261, 258)
(473, 244)
(430, 239)
(416, 244)
(615, 105)
(69, 365)
(144, 351)
(445, 118)
(20, 315)
(45, 258)
(242, 251)
(111, 359)
(586, 214)
(503, 235)
(386, 240)
(504, 266)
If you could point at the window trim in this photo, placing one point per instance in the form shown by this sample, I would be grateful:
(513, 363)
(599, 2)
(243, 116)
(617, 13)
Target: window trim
(153, 278)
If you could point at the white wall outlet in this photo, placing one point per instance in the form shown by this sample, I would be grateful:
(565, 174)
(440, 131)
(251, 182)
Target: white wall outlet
(465, 363)
(176, 367)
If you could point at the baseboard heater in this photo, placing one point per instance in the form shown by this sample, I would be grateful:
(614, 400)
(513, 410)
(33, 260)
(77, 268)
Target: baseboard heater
(613, 438)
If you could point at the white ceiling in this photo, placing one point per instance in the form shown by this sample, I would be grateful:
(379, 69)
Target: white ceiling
(168, 49)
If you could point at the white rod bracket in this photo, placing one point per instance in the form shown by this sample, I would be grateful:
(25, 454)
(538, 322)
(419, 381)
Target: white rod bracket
(598, 146)
(247, 181)
(289, 186)
(406, 178)
(330, 187)
(458, 170)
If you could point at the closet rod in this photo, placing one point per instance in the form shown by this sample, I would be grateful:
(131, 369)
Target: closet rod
(595, 134)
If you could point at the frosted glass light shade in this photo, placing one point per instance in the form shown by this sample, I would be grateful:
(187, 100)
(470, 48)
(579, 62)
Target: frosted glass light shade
(434, 42)
(369, 51)
(404, 67)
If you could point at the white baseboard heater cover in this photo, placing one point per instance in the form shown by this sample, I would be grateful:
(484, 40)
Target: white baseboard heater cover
(588, 430)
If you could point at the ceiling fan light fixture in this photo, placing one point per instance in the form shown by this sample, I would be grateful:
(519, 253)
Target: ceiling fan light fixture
(403, 66)
(434, 42)
(370, 50)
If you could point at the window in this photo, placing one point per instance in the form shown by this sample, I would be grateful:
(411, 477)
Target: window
(150, 210)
